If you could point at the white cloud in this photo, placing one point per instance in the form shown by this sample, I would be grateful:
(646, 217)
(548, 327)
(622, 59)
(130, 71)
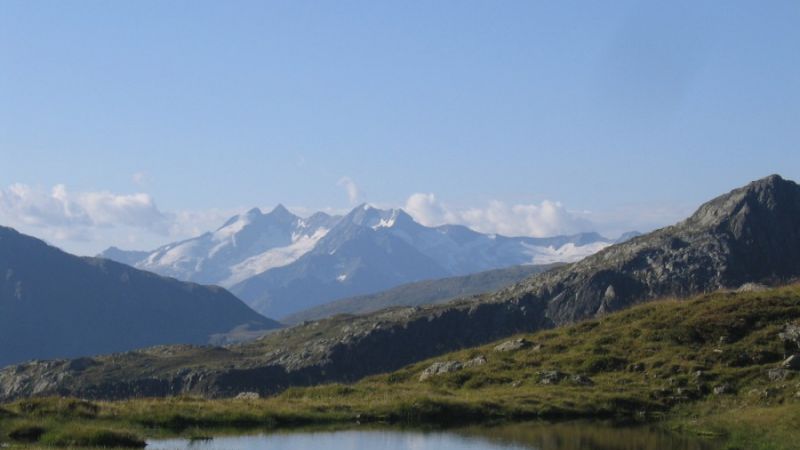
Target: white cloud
(547, 218)
(353, 193)
(61, 208)
(425, 209)
(87, 222)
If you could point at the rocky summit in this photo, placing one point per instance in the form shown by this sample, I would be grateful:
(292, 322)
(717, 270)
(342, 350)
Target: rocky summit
(750, 235)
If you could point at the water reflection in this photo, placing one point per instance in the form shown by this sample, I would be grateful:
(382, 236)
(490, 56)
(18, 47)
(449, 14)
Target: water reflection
(527, 436)
(580, 436)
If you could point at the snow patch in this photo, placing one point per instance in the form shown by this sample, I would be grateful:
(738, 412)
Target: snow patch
(230, 231)
(275, 257)
(387, 222)
(566, 253)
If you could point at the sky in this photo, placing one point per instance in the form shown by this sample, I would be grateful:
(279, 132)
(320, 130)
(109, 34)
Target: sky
(137, 123)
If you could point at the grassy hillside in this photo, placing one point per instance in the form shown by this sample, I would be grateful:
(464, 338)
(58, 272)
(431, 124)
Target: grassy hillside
(704, 365)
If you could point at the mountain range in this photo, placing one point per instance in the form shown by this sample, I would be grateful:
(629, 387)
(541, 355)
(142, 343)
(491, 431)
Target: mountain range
(749, 235)
(53, 304)
(280, 264)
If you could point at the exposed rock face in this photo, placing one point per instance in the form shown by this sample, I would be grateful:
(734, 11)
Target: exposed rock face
(751, 235)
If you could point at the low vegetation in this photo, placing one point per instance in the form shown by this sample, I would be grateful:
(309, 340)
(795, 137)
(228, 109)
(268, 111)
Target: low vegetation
(709, 365)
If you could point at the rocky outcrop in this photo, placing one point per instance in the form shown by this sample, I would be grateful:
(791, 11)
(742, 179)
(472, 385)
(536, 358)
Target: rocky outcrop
(512, 345)
(751, 235)
(440, 368)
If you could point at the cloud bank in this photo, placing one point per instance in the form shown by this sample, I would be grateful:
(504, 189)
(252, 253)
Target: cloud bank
(547, 218)
(60, 208)
(87, 222)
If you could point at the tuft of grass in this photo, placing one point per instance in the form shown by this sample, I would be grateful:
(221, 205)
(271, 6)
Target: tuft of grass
(26, 432)
(64, 408)
(87, 436)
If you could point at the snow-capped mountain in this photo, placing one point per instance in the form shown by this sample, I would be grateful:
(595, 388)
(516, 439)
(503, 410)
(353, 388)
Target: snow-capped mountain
(246, 245)
(280, 263)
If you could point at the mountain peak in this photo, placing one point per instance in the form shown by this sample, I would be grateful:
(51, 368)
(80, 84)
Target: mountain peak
(763, 197)
(279, 209)
(368, 216)
(280, 212)
(254, 212)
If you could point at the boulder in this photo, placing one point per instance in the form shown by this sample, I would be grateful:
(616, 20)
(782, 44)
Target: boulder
(791, 338)
(551, 377)
(475, 362)
(512, 345)
(777, 374)
(723, 389)
(752, 287)
(439, 368)
(581, 380)
(248, 396)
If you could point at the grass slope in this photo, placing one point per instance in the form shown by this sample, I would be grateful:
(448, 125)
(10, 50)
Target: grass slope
(660, 361)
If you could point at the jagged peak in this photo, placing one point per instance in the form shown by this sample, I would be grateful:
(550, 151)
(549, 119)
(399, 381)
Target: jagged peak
(280, 209)
(282, 214)
(768, 193)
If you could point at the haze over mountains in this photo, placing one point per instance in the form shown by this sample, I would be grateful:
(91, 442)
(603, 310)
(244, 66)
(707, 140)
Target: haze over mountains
(749, 235)
(279, 263)
(53, 304)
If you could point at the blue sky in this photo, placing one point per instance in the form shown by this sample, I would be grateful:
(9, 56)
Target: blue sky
(628, 114)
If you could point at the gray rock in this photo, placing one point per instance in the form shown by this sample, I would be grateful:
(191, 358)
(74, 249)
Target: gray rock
(752, 287)
(791, 339)
(439, 368)
(723, 389)
(581, 380)
(475, 362)
(551, 377)
(512, 345)
(248, 396)
(792, 362)
(777, 374)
